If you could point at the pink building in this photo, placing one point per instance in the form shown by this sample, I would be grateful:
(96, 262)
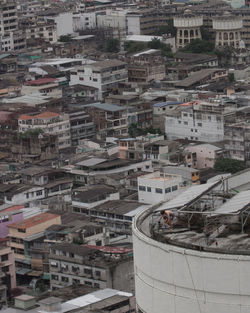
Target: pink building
(7, 265)
(202, 156)
(9, 216)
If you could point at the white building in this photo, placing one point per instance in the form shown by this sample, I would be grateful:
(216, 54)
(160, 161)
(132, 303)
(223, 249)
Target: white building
(103, 75)
(156, 187)
(49, 122)
(64, 23)
(183, 271)
(198, 121)
(86, 20)
(116, 20)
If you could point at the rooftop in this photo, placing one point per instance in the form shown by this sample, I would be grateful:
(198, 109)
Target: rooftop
(212, 217)
(107, 64)
(35, 220)
(106, 107)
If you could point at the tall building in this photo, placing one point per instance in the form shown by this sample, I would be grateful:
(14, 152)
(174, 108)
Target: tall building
(10, 37)
(200, 263)
(228, 30)
(188, 28)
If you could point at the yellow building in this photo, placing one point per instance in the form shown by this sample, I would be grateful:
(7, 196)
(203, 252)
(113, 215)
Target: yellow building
(19, 231)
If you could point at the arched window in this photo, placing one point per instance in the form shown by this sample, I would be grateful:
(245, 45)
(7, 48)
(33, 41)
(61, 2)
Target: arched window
(225, 36)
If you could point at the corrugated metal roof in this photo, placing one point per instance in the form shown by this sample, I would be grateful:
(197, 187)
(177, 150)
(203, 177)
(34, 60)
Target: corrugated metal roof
(185, 197)
(96, 296)
(91, 162)
(235, 204)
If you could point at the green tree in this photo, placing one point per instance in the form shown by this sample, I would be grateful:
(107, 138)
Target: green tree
(112, 45)
(64, 38)
(157, 44)
(133, 46)
(199, 46)
(227, 165)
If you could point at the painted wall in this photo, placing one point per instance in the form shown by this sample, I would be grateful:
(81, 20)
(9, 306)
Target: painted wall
(177, 280)
(14, 218)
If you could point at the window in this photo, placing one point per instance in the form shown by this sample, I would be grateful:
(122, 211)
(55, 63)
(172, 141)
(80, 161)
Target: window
(199, 124)
(185, 114)
(88, 283)
(39, 193)
(142, 188)
(98, 273)
(21, 230)
(148, 189)
(65, 279)
(87, 271)
(158, 190)
(167, 190)
(185, 123)
(27, 196)
(96, 285)
(4, 258)
(94, 79)
(54, 277)
(174, 188)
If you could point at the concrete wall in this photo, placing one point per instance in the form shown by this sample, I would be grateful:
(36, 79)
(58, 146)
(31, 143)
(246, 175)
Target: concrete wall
(12, 219)
(177, 280)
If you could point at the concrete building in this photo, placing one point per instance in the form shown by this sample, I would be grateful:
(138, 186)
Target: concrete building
(116, 20)
(156, 187)
(74, 264)
(201, 261)
(237, 143)
(116, 215)
(110, 120)
(19, 231)
(203, 155)
(188, 28)
(104, 75)
(10, 37)
(84, 20)
(9, 216)
(81, 126)
(146, 66)
(203, 121)
(228, 30)
(38, 28)
(7, 267)
(145, 21)
(49, 122)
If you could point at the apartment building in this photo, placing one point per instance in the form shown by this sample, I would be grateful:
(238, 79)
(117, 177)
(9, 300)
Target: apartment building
(203, 155)
(110, 120)
(145, 21)
(134, 148)
(156, 187)
(199, 121)
(81, 126)
(84, 20)
(146, 66)
(116, 20)
(38, 28)
(237, 141)
(50, 123)
(19, 231)
(74, 264)
(104, 75)
(11, 38)
(7, 267)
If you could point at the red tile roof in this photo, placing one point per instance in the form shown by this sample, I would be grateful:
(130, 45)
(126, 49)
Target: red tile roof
(39, 82)
(25, 117)
(46, 115)
(13, 208)
(33, 221)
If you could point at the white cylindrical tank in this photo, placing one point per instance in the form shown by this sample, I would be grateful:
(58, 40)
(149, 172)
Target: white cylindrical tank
(173, 279)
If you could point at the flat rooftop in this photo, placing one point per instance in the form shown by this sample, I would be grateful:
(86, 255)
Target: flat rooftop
(208, 217)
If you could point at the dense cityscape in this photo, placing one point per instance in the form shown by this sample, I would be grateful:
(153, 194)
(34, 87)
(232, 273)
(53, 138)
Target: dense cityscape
(124, 156)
